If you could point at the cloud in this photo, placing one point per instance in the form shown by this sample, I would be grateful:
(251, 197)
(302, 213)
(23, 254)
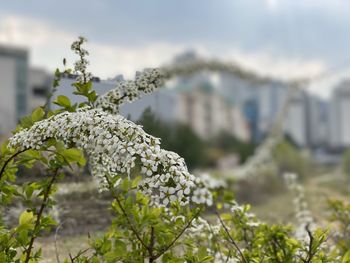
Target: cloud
(272, 4)
(48, 44)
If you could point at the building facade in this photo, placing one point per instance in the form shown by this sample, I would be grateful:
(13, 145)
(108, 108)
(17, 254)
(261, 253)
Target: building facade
(40, 83)
(13, 87)
(339, 109)
(200, 107)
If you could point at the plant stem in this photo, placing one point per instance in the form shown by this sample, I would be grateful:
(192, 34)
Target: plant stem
(38, 218)
(133, 229)
(231, 239)
(310, 252)
(151, 246)
(162, 251)
(9, 160)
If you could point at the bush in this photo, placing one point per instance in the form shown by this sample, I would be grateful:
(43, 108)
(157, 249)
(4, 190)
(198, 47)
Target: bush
(159, 208)
(289, 159)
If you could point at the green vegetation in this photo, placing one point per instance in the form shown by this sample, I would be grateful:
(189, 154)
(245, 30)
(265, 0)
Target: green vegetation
(289, 159)
(197, 152)
(160, 212)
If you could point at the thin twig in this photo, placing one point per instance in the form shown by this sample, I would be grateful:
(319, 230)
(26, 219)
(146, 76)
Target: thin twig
(151, 246)
(81, 252)
(231, 238)
(162, 251)
(132, 227)
(38, 218)
(310, 252)
(9, 160)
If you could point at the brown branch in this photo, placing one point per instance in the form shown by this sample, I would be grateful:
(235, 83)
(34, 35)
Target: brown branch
(231, 238)
(38, 218)
(151, 246)
(9, 160)
(310, 254)
(81, 252)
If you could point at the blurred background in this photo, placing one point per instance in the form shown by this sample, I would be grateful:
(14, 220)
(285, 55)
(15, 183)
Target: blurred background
(214, 120)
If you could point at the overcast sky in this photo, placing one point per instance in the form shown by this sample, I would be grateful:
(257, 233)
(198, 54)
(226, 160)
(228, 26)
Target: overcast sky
(282, 38)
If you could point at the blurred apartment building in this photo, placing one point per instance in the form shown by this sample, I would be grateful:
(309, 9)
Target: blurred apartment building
(265, 102)
(13, 87)
(306, 121)
(339, 116)
(22, 88)
(200, 106)
(228, 104)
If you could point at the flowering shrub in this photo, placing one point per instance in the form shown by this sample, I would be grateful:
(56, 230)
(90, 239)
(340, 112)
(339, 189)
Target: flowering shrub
(162, 213)
(149, 80)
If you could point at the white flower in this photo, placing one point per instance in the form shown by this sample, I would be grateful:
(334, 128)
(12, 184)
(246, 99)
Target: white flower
(113, 145)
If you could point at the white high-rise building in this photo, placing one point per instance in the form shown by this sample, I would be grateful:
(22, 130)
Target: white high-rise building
(261, 104)
(40, 83)
(317, 121)
(201, 107)
(13, 87)
(339, 114)
(296, 122)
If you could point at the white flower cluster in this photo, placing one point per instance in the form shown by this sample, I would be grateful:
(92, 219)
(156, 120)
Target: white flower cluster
(202, 229)
(114, 146)
(193, 66)
(151, 79)
(129, 90)
(302, 212)
(80, 66)
(211, 182)
(251, 218)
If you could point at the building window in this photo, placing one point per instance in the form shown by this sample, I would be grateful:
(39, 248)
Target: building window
(40, 91)
(21, 105)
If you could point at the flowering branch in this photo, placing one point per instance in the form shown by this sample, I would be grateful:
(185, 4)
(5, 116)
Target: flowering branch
(302, 212)
(80, 66)
(150, 80)
(113, 145)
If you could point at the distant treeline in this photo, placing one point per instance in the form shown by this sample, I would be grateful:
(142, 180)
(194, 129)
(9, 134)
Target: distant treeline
(196, 151)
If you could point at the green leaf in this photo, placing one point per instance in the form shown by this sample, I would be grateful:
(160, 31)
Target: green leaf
(4, 148)
(63, 101)
(74, 155)
(346, 258)
(92, 96)
(29, 191)
(136, 181)
(26, 122)
(26, 218)
(38, 114)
